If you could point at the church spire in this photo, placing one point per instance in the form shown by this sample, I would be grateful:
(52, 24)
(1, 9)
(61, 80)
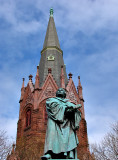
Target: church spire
(51, 38)
(51, 55)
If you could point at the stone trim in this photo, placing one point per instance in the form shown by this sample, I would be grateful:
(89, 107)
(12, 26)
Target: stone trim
(52, 48)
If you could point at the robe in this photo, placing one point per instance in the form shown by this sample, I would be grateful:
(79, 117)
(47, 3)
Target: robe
(61, 126)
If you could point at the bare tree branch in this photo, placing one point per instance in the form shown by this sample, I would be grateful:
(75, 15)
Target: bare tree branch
(4, 145)
(108, 148)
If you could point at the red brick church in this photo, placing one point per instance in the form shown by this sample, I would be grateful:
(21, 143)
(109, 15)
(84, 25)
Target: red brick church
(50, 75)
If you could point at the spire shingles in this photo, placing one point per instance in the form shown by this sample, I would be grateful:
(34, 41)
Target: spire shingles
(51, 38)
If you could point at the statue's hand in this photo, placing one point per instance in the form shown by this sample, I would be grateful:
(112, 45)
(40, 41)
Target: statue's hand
(78, 106)
(74, 108)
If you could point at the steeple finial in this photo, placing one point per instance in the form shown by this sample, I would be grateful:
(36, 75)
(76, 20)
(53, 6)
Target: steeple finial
(51, 12)
(70, 75)
(30, 77)
(79, 84)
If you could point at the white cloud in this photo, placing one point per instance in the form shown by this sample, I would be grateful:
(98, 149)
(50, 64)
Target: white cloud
(7, 11)
(27, 27)
(87, 16)
(99, 123)
(82, 25)
(99, 77)
(10, 126)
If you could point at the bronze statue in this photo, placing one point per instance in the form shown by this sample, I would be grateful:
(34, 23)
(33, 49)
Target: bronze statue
(63, 120)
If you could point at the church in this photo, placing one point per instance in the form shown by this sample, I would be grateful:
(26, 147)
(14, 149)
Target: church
(50, 76)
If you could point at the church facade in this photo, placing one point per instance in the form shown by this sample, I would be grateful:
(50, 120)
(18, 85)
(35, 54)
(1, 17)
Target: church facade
(50, 75)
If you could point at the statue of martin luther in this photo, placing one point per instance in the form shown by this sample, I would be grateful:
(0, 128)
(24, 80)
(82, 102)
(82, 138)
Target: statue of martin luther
(63, 120)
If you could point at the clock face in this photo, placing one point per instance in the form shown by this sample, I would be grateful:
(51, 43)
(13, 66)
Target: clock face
(50, 58)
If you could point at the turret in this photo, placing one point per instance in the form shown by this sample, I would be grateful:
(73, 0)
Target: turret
(81, 97)
(79, 88)
(36, 90)
(37, 79)
(22, 90)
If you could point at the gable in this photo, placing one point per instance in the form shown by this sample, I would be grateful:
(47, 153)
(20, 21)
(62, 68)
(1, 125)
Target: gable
(71, 92)
(28, 96)
(49, 88)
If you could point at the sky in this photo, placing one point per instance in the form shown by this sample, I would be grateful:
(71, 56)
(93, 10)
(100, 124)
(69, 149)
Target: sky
(88, 35)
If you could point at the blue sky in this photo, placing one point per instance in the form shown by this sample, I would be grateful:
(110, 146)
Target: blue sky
(88, 35)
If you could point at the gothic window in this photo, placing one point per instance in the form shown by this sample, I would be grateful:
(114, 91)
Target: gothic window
(28, 117)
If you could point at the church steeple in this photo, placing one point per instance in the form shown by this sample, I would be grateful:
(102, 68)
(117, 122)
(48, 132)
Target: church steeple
(51, 54)
(51, 38)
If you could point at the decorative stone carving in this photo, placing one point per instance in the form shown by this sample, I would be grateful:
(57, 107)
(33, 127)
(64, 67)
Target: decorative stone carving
(49, 92)
(51, 58)
(72, 97)
(28, 99)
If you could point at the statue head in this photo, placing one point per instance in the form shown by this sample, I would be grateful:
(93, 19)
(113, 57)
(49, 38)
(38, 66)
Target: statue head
(61, 93)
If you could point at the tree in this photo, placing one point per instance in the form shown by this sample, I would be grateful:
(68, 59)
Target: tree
(5, 148)
(108, 148)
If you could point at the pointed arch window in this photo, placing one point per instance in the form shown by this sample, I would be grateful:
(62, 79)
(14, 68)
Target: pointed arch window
(28, 117)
